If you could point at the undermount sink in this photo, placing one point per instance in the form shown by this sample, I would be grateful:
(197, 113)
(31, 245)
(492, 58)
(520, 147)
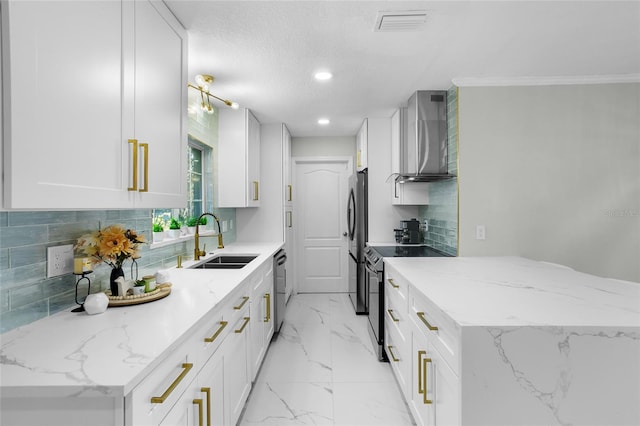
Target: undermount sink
(226, 261)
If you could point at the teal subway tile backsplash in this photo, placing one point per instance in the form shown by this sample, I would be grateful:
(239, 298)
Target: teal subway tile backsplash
(442, 211)
(26, 294)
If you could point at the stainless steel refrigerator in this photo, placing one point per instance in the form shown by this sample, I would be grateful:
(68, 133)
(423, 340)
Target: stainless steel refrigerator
(357, 223)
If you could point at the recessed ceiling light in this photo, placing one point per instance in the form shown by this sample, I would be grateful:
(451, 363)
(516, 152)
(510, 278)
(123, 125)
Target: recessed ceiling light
(323, 75)
(323, 121)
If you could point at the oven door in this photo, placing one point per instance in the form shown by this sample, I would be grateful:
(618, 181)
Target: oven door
(376, 309)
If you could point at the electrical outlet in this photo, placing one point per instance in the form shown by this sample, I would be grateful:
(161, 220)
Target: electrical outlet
(480, 232)
(230, 224)
(59, 260)
(225, 225)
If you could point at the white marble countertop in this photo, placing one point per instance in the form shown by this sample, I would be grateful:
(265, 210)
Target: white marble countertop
(513, 291)
(110, 353)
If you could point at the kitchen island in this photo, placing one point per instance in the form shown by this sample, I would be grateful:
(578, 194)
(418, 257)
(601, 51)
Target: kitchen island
(74, 368)
(511, 341)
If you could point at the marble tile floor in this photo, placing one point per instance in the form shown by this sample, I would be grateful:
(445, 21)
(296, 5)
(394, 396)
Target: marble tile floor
(322, 370)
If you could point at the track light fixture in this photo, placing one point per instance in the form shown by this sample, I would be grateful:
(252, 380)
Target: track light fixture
(203, 83)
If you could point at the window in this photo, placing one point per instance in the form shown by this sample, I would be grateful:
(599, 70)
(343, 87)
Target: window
(199, 159)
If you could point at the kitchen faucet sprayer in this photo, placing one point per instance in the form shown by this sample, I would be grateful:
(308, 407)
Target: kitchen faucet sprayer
(196, 251)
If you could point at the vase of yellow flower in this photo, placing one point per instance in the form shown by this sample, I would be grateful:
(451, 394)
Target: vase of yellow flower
(111, 245)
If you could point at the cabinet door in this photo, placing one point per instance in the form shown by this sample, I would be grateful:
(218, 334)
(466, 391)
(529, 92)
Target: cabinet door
(291, 255)
(253, 161)
(238, 158)
(288, 183)
(362, 139)
(422, 383)
(159, 112)
(62, 62)
(211, 389)
(183, 413)
(237, 374)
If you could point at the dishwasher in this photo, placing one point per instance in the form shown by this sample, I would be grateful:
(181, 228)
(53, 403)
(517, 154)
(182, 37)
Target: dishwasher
(279, 287)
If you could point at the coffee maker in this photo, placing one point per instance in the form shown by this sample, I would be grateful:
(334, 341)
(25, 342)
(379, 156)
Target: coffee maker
(409, 232)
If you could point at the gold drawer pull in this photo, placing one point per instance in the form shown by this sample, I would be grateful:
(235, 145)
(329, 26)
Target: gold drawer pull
(394, 285)
(198, 402)
(244, 300)
(267, 297)
(256, 190)
(290, 192)
(424, 320)
(425, 361)
(186, 367)
(223, 324)
(241, 329)
(134, 142)
(145, 163)
(393, 357)
(208, 392)
(392, 316)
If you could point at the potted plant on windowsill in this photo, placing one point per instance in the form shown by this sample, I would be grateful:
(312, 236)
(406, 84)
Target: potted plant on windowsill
(158, 230)
(191, 224)
(174, 228)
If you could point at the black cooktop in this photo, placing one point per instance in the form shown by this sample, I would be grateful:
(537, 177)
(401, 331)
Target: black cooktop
(408, 251)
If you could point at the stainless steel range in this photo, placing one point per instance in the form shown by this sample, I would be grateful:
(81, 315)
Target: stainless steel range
(374, 277)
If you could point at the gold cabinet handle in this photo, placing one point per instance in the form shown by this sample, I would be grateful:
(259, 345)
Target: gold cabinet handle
(289, 219)
(223, 324)
(359, 158)
(207, 391)
(267, 297)
(198, 402)
(393, 357)
(186, 367)
(145, 162)
(392, 316)
(425, 361)
(290, 187)
(424, 320)
(134, 142)
(394, 285)
(241, 329)
(256, 190)
(244, 300)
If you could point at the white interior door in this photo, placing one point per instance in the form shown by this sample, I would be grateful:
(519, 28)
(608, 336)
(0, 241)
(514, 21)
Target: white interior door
(320, 207)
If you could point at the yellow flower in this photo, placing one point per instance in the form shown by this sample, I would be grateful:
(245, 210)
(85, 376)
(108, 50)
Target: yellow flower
(112, 245)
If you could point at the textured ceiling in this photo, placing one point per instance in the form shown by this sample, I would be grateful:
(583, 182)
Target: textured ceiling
(263, 54)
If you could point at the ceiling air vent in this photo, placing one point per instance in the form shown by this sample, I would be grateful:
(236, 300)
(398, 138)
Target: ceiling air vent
(401, 20)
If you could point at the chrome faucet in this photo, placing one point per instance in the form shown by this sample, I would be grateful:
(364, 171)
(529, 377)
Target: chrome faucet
(196, 251)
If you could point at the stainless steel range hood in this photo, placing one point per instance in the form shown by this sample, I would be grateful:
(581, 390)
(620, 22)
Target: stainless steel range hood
(423, 153)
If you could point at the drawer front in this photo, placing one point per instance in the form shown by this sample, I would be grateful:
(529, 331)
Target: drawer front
(152, 399)
(212, 332)
(440, 330)
(397, 318)
(398, 353)
(396, 288)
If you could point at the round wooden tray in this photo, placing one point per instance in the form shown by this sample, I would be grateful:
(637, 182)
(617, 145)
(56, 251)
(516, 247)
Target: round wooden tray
(161, 291)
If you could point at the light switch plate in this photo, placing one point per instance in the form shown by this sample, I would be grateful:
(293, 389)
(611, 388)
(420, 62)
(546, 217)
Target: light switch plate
(59, 260)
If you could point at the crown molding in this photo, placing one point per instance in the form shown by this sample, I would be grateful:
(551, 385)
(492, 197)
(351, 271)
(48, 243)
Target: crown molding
(545, 81)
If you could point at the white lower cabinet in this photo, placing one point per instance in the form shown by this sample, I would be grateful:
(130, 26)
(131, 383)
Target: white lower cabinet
(423, 349)
(237, 373)
(262, 311)
(208, 378)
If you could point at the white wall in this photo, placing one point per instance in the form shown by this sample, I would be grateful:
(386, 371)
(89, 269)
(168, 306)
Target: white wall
(323, 146)
(553, 172)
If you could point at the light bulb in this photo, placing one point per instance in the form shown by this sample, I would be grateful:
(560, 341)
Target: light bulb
(323, 75)
(235, 105)
(199, 80)
(323, 121)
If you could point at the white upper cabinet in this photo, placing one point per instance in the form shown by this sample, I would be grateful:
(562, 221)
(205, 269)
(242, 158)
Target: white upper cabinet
(82, 79)
(238, 158)
(156, 115)
(362, 139)
(413, 193)
(288, 181)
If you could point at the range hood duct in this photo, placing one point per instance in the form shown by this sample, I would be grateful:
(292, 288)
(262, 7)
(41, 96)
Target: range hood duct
(424, 153)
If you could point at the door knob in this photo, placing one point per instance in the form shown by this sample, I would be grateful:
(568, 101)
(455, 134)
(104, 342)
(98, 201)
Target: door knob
(344, 234)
